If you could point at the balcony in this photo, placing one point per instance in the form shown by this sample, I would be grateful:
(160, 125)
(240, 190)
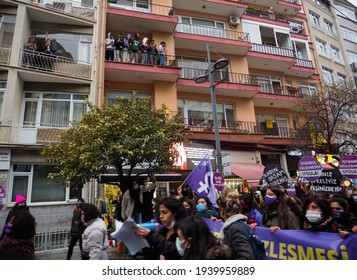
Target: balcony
(302, 68)
(202, 129)
(5, 55)
(142, 73)
(269, 57)
(277, 97)
(53, 64)
(266, 17)
(213, 7)
(235, 84)
(224, 41)
(140, 17)
(73, 9)
(286, 7)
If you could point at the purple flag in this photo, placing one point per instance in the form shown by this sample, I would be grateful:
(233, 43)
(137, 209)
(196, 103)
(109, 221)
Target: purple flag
(200, 180)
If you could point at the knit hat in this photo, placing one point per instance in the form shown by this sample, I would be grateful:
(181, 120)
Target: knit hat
(20, 198)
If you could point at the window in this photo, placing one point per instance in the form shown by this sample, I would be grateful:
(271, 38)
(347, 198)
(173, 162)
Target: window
(336, 54)
(296, 27)
(7, 27)
(269, 84)
(73, 46)
(307, 90)
(140, 5)
(300, 49)
(341, 79)
(112, 95)
(352, 57)
(31, 181)
(315, 19)
(346, 12)
(321, 47)
(273, 124)
(2, 93)
(349, 34)
(199, 113)
(329, 28)
(202, 27)
(327, 76)
(49, 109)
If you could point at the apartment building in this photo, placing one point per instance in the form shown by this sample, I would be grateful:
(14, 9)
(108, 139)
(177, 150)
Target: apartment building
(271, 66)
(43, 86)
(331, 59)
(346, 19)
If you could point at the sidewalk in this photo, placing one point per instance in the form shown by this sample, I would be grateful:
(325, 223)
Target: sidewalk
(61, 254)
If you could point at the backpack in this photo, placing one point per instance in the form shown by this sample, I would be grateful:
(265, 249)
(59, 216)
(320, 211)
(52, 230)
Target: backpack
(256, 244)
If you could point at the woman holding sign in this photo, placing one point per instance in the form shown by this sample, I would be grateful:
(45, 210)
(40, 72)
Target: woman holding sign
(276, 213)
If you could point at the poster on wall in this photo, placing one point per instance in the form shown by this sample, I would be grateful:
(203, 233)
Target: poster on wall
(5, 155)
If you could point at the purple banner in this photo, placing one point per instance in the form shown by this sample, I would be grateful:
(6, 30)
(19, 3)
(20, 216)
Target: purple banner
(348, 166)
(301, 244)
(309, 168)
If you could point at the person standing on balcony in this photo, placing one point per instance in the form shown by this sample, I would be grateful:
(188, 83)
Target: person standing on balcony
(271, 13)
(119, 48)
(126, 54)
(134, 48)
(144, 47)
(109, 47)
(162, 53)
(29, 53)
(77, 228)
(152, 53)
(49, 53)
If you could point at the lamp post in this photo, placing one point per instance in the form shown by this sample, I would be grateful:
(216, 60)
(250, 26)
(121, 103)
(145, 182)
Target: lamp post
(220, 63)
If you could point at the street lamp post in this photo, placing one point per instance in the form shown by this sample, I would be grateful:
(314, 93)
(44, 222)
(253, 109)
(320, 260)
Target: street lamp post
(221, 63)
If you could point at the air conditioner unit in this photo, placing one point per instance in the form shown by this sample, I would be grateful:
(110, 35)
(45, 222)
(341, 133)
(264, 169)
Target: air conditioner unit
(354, 66)
(234, 21)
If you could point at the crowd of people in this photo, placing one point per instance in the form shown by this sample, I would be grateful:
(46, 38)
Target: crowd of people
(184, 234)
(131, 47)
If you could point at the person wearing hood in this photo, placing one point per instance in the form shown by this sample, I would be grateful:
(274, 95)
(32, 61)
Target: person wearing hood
(233, 232)
(77, 228)
(109, 47)
(276, 211)
(95, 236)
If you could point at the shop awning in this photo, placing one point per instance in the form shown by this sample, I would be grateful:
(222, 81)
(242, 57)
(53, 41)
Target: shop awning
(248, 171)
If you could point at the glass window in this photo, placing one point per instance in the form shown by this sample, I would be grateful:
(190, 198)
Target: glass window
(7, 27)
(307, 90)
(31, 181)
(329, 27)
(342, 79)
(315, 19)
(346, 12)
(321, 47)
(352, 57)
(53, 109)
(112, 95)
(327, 76)
(2, 93)
(336, 54)
(349, 34)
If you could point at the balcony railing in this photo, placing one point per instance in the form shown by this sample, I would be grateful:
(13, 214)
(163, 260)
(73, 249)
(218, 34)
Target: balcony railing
(292, 1)
(225, 75)
(73, 8)
(5, 54)
(281, 90)
(169, 61)
(204, 124)
(212, 32)
(272, 50)
(278, 132)
(141, 6)
(304, 63)
(265, 14)
(54, 64)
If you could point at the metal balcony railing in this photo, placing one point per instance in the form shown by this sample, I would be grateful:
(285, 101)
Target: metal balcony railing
(304, 63)
(204, 124)
(225, 75)
(54, 64)
(272, 50)
(212, 32)
(141, 6)
(73, 8)
(278, 132)
(281, 90)
(169, 61)
(5, 55)
(265, 14)
(292, 1)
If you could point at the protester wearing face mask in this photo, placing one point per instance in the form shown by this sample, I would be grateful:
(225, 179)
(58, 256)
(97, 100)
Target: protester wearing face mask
(318, 214)
(204, 209)
(77, 228)
(169, 211)
(195, 241)
(188, 205)
(345, 220)
(276, 211)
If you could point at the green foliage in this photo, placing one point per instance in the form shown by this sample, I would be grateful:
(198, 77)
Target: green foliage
(126, 134)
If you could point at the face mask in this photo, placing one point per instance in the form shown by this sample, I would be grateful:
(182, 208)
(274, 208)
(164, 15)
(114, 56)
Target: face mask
(355, 197)
(179, 248)
(338, 214)
(79, 204)
(200, 207)
(313, 216)
(269, 200)
(187, 211)
(22, 204)
(172, 225)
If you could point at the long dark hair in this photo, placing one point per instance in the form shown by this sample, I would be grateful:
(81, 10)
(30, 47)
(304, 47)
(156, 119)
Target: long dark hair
(281, 206)
(174, 205)
(90, 212)
(320, 201)
(194, 227)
